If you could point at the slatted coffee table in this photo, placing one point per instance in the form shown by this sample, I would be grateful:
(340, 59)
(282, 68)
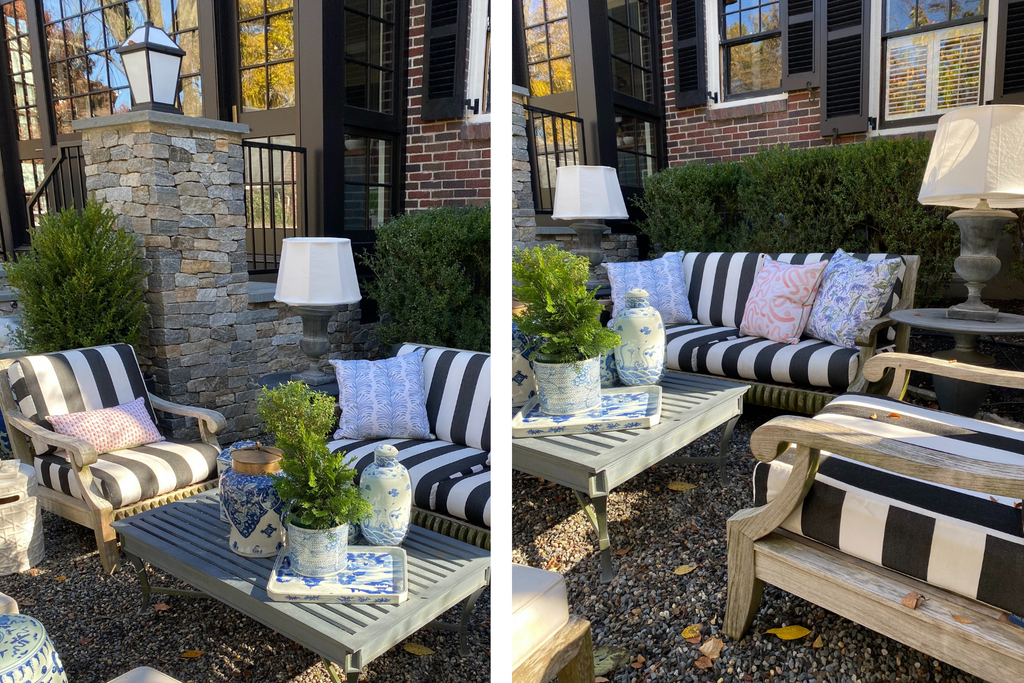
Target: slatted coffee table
(593, 464)
(188, 540)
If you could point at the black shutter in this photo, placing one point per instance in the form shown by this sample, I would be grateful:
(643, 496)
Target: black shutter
(844, 83)
(691, 68)
(799, 53)
(443, 90)
(1010, 53)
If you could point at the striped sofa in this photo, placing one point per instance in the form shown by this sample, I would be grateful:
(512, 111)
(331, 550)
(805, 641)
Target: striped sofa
(74, 481)
(451, 476)
(802, 377)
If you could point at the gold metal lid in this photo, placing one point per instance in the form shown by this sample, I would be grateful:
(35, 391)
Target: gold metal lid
(256, 459)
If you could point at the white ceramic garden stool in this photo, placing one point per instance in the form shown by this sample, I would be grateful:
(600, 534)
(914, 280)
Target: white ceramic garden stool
(26, 653)
(144, 675)
(8, 605)
(21, 524)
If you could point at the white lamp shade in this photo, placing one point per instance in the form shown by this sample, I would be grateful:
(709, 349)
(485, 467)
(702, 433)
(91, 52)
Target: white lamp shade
(588, 192)
(978, 153)
(317, 271)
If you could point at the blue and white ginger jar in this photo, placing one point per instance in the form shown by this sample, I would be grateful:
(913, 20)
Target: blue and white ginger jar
(26, 653)
(609, 375)
(255, 511)
(223, 465)
(524, 383)
(569, 388)
(387, 487)
(640, 356)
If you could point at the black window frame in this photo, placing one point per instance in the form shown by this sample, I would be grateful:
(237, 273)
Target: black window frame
(368, 65)
(635, 34)
(725, 44)
(266, 16)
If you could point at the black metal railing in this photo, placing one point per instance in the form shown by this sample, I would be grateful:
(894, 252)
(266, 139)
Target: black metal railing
(275, 201)
(63, 186)
(554, 140)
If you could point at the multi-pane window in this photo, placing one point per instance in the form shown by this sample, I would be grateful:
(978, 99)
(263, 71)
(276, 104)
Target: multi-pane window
(933, 57)
(20, 70)
(547, 46)
(87, 76)
(368, 184)
(751, 46)
(266, 42)
(637, 150)
(370, 54)
(557, 141)
(630, 36)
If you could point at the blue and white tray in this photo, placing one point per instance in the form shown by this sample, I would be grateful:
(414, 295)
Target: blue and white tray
(621, 408)
(375, 574)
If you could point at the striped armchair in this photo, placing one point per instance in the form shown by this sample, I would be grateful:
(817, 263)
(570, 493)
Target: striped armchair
(451, 476)
(79, 484)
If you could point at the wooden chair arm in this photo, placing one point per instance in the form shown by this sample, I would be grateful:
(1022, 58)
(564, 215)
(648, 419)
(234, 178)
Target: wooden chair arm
(867, 333)
(82, 452)
(214, 421)
(993, 478)
(905, 362)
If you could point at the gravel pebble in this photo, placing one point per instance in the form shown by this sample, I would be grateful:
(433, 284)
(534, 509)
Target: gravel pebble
(646, 607)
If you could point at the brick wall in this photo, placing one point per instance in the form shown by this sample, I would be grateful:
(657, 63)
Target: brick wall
(448, 163)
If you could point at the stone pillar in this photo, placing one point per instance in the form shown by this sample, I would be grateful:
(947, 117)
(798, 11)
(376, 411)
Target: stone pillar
(177, 182)
(524, 219)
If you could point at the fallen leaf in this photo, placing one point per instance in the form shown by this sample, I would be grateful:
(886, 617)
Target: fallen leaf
(549, 486)
(601, 679)
(85, 641)
(161, 607)
(961, 620)
(912, 600)
(817, 644)
(874, 416)
(789, 632)
(247, 674)
(681, 486)
(993, 499)
(637, 665)
(609, 659)
(640, 658)
(27, 602)
(33, 572)
(917, 315)
(295, 646)
(684, 569)
(417, 649)
(952, 361)
(712, 649)
(623, 551)
(691, 633)
(895, 416)
(192, 654)
(1005, 617)
(703, 663)
(1018, 505)
(60, 578)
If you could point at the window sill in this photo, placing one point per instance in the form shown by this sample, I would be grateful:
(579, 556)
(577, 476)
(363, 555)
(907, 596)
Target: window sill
(902, 130)
(769, 104)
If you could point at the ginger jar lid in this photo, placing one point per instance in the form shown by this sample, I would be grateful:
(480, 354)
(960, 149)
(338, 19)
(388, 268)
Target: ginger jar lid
(385, 455)
(256, 459)
(636, 298)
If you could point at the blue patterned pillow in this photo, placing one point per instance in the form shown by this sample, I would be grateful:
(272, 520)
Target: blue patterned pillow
(664, 281)
(382, 399)
(852, 291)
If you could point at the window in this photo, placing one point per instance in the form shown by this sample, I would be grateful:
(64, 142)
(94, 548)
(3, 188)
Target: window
(267, 54)
(557, 141)
(751, 43)
(933, 57)
(368, 185)
(547, 46)
(370, 54)
(637, 150)
(20, 64)
(630, 38)
(479, 90)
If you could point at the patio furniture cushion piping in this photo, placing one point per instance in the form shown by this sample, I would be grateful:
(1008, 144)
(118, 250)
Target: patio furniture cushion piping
(962, 541)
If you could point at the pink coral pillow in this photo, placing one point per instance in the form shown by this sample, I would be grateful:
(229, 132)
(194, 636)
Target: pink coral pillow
(780, 301)
(110, 429)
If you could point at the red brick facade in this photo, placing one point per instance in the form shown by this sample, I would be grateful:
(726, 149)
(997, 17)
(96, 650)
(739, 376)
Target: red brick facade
(448, 163)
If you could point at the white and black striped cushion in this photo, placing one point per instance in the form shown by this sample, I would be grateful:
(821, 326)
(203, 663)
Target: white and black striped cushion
(127, 476)
(682, 342)
(458, 389)
(809, 363)
(965, 542)
(447, 478)
(718, 285)
(75, 381)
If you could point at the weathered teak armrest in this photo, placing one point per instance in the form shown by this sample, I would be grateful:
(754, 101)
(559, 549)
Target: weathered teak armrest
(905, 362)
(210, 421)
(82, 452)
(867, 333)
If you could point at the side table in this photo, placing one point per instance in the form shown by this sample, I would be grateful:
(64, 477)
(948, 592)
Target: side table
(21, 525)
(956, 396)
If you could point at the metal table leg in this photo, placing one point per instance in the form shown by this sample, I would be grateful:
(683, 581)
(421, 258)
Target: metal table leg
(463, 626)
(352, 677)
(723, 451)
(147, 590)
(599, 520)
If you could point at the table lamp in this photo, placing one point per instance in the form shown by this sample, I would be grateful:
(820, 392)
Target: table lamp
(317, 275)
(977, 164)
(588, 195)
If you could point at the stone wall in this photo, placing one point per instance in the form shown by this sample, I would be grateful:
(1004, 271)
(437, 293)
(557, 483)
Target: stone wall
(524, 219)
(618, 248)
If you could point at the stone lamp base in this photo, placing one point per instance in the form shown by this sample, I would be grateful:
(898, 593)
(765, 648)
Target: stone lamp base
(589, 234)
(981, 229)
(314, 342)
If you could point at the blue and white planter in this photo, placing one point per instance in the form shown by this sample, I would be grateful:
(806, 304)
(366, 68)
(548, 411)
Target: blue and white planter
(317, 552)
(640, 356)
(568, 388)
(255, 512)
(524, 383)
(26, 653)
(385, 484)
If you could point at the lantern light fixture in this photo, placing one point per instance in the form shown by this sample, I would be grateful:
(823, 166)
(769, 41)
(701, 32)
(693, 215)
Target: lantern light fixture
(152, 62)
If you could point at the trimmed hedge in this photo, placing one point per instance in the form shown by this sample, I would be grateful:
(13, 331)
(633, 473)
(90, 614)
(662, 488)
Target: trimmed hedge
(859, 197)
(433, 282)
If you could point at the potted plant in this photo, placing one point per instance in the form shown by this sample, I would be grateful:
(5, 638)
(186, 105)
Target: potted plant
(316, 484)
(565, 320)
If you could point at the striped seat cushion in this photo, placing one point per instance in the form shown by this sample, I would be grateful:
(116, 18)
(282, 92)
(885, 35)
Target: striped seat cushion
(718, 285)
(458, 389)
(682, 342)
(75, 381)
(127, 476)
(447, 478)
(965, 542)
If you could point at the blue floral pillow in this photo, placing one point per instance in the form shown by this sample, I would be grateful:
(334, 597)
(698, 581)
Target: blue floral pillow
(664, 281)
(382, 399)
(852, 291)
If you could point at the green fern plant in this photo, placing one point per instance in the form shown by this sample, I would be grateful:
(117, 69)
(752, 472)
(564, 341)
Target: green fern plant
(318, 484)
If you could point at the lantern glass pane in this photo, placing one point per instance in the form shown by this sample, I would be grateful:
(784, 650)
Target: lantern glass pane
(165, 76)
(138, 75)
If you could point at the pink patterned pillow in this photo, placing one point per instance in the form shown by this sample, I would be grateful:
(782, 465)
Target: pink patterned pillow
(780, 301)
(110, 429)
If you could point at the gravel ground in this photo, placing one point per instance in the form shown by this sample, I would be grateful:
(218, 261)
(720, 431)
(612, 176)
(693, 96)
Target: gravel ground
(95, 624)
(644, 610)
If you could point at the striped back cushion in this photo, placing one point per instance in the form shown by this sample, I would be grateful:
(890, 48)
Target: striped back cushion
(897, 291)
(458, 387)
(718, 285)
(75, 381)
